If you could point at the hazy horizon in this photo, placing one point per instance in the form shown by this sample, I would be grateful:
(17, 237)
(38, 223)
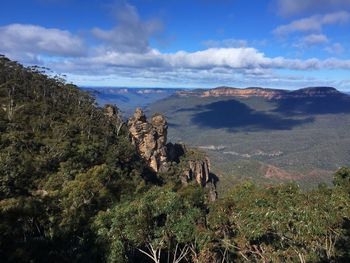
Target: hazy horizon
(193, 88)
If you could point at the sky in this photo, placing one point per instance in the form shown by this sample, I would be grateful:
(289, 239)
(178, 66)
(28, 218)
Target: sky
(285, 44)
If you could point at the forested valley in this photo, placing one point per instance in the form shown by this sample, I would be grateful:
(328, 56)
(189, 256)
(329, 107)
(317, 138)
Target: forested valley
(73, 188)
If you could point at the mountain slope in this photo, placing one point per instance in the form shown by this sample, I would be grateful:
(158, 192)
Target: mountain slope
(64, 161)
(61, 161)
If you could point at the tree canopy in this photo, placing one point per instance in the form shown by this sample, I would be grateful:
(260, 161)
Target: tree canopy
(74, 189)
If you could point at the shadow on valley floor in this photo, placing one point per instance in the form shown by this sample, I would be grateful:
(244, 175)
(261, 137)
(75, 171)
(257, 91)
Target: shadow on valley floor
(233, 115)
(310, 106)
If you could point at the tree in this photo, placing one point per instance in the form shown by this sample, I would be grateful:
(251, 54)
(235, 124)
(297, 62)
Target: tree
(342, 178)
(161, 224)
(281, 223)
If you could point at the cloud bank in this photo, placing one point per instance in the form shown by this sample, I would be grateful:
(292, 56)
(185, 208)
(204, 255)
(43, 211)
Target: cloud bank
(124, 53)
(28, 40)
(211, 64)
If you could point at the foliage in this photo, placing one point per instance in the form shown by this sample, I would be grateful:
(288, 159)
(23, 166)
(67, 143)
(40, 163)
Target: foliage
(342, 178)
(61, 161)
(73, 189)
(160, 220)
(282, 223)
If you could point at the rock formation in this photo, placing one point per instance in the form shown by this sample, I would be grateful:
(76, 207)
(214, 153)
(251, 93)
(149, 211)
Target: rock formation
(197, 170)
(111, 110)
(150, 140)
(113, 113)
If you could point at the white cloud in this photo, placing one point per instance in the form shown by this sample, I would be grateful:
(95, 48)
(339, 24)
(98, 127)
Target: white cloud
(233, 60)
(131, 34)
(208, 65)
(313, 23)
(124, 54)
(340, 17)
(203, 78)
(315, 39)
(311, 40)
(237, 58)
(297, 7)
(31, 40)
(336, 48)
(231, 42)
(242, 66)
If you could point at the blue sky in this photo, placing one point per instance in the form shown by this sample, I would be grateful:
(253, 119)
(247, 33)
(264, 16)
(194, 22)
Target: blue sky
(176, 43)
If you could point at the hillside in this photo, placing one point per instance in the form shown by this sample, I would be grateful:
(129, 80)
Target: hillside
(77, 184)
(267, 135)
(61, 161)
(65, 162)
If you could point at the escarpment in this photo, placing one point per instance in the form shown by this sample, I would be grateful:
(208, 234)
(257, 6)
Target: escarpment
(150, 139)
(276, 94)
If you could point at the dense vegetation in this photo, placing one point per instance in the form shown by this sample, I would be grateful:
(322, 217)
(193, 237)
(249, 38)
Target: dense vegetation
(61, 162)
(73, 189)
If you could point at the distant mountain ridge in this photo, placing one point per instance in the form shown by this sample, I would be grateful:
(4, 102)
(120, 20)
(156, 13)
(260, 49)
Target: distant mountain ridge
(264, 92)
(128, 99)
(121, 90)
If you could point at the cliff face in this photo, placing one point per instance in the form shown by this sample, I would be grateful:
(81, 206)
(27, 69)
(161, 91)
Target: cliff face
(150, 139)
(249, 92)
(265, 93)
(198, 170)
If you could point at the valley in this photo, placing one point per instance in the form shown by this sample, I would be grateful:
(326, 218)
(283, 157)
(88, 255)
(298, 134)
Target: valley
(127, 99)
(267, 136)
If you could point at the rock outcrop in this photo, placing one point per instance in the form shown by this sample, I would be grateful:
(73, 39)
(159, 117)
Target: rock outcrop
(198, 170)
(150, 139)
(111, 110)
(113, 113)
